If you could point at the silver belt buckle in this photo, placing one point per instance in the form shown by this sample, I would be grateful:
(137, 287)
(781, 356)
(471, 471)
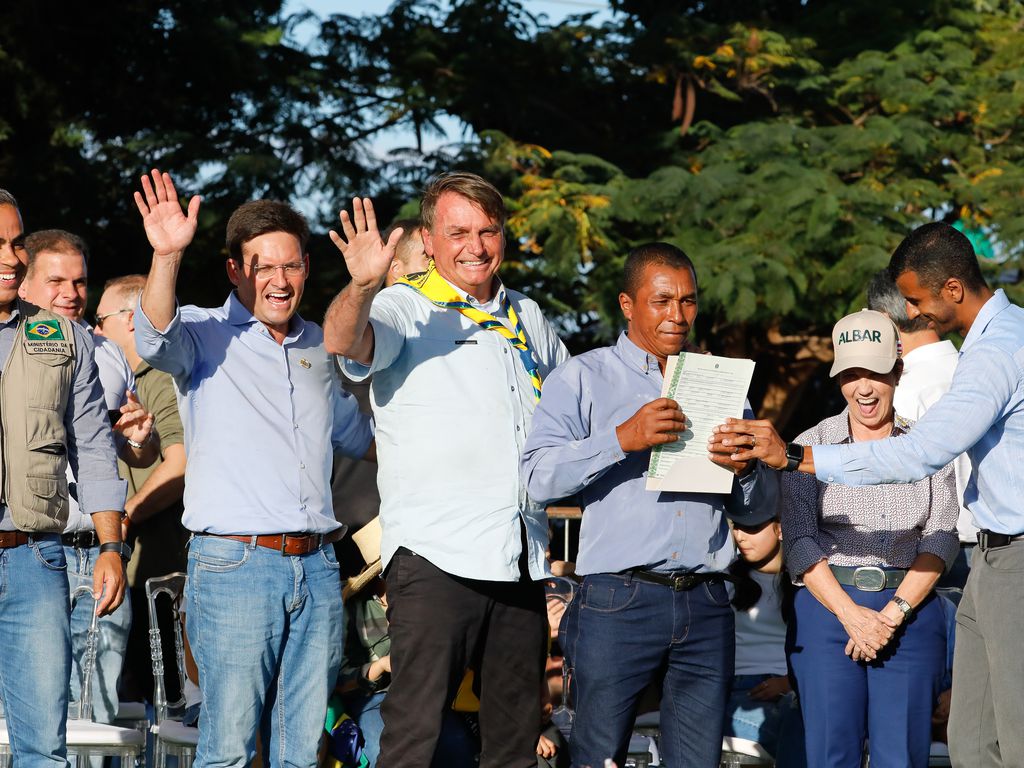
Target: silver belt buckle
(869, 578)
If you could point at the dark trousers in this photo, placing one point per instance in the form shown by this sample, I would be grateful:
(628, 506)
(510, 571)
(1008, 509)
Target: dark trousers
(888, 701)
(440, 624)
(620, 635)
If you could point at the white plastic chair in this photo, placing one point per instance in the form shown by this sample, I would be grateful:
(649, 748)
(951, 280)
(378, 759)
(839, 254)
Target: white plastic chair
(172, 738)
(737, 751)
(85, 738)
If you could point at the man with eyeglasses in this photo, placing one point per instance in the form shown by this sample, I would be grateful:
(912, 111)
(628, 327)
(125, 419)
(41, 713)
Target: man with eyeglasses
(152, 522)
(53, 417)
(56, 279)
(262, 409)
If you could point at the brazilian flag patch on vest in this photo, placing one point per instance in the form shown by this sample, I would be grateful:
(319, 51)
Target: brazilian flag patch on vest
(44, 330)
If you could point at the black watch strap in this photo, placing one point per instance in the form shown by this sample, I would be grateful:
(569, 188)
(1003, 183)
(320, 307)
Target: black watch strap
(794, 456)
(117, 546)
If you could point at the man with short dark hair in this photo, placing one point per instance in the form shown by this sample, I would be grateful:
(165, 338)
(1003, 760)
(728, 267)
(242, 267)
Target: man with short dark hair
(262, 410)
(982, 414)
(53, 417)
(654, 604)
(57, 279)
(458, 361)
(929, 363)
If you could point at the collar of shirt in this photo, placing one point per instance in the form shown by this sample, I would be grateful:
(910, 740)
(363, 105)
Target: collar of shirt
(238, 314)
(837, 428)
(635, 357)
(988, 313)
(928, 352)
(491, 307)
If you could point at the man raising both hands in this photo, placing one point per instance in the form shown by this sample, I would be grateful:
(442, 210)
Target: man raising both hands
(262, 410)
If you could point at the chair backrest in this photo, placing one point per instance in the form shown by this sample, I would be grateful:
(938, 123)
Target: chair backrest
(88, 665)
(173, 587)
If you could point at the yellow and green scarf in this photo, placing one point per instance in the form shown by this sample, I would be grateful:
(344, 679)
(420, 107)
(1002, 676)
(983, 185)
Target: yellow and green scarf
(437, 291)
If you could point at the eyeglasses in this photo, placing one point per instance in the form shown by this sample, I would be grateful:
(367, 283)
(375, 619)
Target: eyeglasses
(100, 318)
(265, 271)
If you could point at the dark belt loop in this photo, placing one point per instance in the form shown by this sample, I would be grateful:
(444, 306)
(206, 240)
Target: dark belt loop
(629, 577)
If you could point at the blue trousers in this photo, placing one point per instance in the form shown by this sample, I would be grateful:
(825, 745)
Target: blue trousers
(619, 635)
(888, 701)
(266, 632)
(35, 652)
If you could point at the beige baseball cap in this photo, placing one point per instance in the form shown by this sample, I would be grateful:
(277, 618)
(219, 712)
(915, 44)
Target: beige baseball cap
(865, 339)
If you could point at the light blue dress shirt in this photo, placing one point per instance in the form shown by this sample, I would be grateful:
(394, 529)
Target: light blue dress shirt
(452, 404)
(982, 414)
(573, 451)
(90, 444)
(260, 419)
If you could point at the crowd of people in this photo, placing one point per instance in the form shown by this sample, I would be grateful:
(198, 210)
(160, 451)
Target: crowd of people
(808, 610)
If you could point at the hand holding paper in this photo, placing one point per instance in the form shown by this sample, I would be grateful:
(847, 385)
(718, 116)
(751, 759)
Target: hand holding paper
(709, 389)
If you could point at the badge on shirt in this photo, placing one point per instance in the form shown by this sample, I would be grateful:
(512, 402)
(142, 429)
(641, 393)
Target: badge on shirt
(44, 330)
(45, 337)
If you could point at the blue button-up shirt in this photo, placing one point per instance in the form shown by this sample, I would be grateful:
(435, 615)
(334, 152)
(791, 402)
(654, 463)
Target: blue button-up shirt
(573, 450)
(90, 445)
(982, 414)
(453, 403)
(260, 419)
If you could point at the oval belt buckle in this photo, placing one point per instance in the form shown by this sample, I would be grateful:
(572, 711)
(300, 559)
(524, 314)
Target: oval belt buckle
(869, 578)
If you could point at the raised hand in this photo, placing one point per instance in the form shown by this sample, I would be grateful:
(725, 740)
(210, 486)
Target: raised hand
(366, 255)
(656, 423)
(136, 423)
(169, 229)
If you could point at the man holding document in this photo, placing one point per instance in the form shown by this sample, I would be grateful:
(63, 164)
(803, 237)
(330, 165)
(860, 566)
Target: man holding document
(654, 599)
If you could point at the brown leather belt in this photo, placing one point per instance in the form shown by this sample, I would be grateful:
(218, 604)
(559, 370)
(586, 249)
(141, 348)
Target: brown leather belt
(285, 543)
(10, 539)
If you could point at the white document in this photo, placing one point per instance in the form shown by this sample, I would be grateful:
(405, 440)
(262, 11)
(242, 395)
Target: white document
(708, 389)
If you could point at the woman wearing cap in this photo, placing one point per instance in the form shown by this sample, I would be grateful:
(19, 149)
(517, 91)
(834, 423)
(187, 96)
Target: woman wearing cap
(867, 645)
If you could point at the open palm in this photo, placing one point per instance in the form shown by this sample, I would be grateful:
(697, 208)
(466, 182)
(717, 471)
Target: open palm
(366, 256)
(169, 229)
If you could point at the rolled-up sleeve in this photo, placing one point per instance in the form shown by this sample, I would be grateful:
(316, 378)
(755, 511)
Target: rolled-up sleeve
(171, 350)
(561, 456)
(388, 321)
(90, 442)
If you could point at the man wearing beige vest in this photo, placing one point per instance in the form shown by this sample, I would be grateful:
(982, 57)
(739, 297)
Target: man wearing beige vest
(51, 413)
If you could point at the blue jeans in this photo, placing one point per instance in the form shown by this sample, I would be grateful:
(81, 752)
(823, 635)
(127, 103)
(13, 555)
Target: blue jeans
(266, 633)
(619, 635)
(113, 637)
(888, 701)
(775, 725)
(457, 746)
(35, 653)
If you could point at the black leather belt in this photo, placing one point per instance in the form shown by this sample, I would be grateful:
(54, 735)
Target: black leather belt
(991, 540)
(680, 582)
(80, 539)
(868, 578)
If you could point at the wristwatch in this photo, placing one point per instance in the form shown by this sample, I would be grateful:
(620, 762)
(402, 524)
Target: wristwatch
(117, 546)
(794, 456)
(903, 605)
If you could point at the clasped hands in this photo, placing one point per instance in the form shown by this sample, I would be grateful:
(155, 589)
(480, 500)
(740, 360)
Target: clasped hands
(869, 630)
